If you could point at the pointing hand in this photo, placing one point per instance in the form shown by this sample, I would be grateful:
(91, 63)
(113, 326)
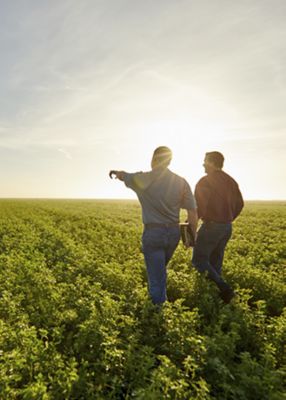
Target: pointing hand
(112, 173)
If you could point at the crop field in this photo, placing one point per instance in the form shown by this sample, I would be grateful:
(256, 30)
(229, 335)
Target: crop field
(76, 321)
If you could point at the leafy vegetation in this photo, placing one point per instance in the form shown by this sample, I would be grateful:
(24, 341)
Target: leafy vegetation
(76, 321)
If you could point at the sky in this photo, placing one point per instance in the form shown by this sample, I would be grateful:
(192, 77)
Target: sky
(92, 85)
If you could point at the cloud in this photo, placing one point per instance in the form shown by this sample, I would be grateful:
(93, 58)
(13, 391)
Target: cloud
(79, 75)
(66, 153)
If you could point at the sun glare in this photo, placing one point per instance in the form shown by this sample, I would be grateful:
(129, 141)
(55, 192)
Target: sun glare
(188, 139)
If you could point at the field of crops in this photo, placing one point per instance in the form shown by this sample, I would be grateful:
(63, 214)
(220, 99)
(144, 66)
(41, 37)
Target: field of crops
(76, 321)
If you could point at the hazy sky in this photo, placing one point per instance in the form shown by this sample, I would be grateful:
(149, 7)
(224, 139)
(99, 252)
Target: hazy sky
(92, 85)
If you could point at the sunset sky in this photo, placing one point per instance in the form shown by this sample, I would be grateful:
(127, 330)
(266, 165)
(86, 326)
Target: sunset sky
(92, 85)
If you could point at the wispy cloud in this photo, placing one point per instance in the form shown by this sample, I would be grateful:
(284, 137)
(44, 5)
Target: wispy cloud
(65, 153)
(80, 75)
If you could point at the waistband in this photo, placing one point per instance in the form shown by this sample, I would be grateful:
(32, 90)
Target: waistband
(217, 222)
(172, 224)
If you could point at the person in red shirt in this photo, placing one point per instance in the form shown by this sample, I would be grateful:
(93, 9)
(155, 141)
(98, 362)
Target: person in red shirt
(219, 202)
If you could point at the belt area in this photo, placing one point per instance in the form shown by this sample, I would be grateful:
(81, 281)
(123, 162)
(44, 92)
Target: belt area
(216, 222)
(148, 226)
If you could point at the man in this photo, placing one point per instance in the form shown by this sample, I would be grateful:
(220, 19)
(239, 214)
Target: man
(219, 202)
(161, 194)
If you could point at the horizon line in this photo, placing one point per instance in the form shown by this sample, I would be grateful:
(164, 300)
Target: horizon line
(112, 198)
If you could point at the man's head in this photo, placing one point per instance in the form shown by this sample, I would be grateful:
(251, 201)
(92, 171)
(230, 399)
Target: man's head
(213, 161)
(162, 157)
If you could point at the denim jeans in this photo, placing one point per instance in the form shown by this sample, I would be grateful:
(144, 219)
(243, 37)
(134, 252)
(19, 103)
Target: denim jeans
(209, 250)
(158, 246)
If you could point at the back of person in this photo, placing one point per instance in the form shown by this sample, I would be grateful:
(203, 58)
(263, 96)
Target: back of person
(163, 197)
(221, 200)
(161, 194)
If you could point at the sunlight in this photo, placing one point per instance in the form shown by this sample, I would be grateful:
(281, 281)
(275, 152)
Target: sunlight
(188, 138)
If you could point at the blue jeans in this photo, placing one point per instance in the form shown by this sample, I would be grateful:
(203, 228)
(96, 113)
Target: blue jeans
(158, 246)
(209, 250)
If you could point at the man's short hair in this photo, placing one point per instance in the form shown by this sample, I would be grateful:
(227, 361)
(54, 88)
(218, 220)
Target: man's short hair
(216, 158)
(162, 155)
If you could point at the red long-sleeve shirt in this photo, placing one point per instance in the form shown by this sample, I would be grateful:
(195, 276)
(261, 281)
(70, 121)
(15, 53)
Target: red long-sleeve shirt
(218, 197)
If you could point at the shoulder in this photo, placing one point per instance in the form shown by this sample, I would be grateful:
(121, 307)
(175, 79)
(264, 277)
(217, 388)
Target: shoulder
(177, 177)
(229, 178)
(204, 181)
(143, 177)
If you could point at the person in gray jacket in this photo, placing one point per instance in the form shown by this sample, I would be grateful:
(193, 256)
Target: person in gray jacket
(161, 194)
